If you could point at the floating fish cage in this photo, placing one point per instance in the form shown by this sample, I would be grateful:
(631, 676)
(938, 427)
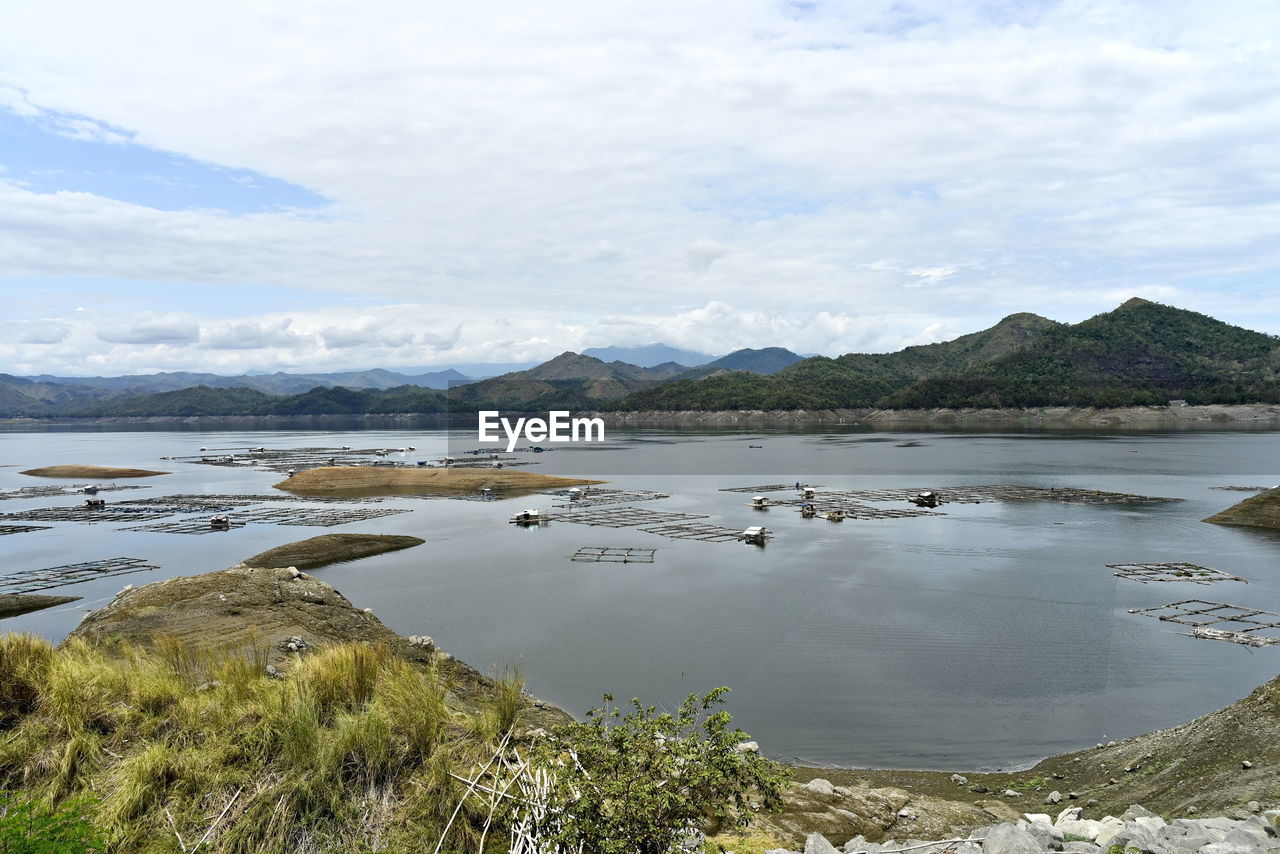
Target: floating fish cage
(1219, 621)
(1194, 573)
(32, 580)
(621, 517)
(21, 529)
(188, 526)
(55, 491)
(768, 487)
(84, 513)
(602, 497)
(704, 532)
(614, 554)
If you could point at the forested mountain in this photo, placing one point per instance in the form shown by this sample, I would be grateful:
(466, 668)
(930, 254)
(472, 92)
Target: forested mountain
(767, 360)
(855, 380)
(1140, 353)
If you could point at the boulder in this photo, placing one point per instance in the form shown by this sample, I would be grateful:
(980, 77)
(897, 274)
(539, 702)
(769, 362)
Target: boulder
(1010, 839)
(816, 843)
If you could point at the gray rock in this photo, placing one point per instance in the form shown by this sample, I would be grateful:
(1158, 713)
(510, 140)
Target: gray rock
(747, 747)
(960, 779)
(1082, 828)
(1055, 797)
(816, 843)
(1010, 839)
(1246, 765)
(1246, 835)
(1253, 806)
(1108, 829)
(1010, 793)
(1136, 811)
(979, 789)
(1048, 837)
(1227, 848)
(1080, 848)
(821, 787)
(781, 851)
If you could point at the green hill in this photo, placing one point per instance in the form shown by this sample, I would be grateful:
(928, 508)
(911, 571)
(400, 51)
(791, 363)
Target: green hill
(1139, 354)
(855, 380)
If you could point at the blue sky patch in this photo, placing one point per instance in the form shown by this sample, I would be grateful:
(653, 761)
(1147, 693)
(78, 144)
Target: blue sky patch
(52, 152)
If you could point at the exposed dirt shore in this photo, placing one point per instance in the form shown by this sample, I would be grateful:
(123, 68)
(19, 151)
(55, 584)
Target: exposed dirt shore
(100, 472)
(331, 548)
(369, 480)
(13, 604)
(1264, 416)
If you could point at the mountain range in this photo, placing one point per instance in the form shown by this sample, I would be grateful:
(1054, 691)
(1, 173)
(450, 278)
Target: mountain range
(1137, 354)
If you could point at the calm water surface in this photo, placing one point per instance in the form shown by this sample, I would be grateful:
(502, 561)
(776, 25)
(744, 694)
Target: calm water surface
(984, 636)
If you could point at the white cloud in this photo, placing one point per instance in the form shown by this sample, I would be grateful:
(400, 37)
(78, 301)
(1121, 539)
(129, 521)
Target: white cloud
(153, 328)
(818, 170)
(37, 332)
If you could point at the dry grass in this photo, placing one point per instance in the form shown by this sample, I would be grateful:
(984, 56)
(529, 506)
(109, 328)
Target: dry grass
(353, 751)
(106, 472)
(331, 548)
(375, 479)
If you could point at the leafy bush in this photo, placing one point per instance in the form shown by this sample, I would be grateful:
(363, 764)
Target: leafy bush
(28, 828)
(636, 783)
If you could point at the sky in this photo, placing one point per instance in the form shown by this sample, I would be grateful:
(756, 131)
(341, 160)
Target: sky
(331, 186)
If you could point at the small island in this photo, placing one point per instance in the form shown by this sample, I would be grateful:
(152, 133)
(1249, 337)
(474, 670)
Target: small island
(103, 472)
(330, 548)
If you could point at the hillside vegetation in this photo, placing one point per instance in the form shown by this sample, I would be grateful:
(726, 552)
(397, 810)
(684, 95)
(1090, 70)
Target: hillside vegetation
(1142, 353)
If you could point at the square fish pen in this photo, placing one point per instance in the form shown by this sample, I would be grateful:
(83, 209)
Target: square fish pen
(696, 531)
(54, 491)
(1194, 573)
(21, 529)
(620, 517)
(31, 580)
(604, 497)
(767, 487)
(323, 517)
(192, 526)
(80, 513)
(1219, 621)
(613, 554)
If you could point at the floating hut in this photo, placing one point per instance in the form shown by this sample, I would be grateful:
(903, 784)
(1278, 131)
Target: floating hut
(94, 503)
(755, 535)
(836, 515)
(528, 517)
(926, 499)
(220, 522)
(759, 502)
(808, 511)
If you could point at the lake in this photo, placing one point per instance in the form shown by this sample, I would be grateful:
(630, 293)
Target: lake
(979, 636)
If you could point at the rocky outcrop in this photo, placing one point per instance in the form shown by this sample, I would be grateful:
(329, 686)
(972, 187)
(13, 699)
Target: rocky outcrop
(841, 812)
(1136, 831)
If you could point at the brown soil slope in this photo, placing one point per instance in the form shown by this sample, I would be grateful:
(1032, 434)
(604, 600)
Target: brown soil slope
(368, 479)
(331, 548)
(1258, 511)
(89, 471)
(259, 611)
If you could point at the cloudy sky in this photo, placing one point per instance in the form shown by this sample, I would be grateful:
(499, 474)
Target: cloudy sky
(331, 185)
